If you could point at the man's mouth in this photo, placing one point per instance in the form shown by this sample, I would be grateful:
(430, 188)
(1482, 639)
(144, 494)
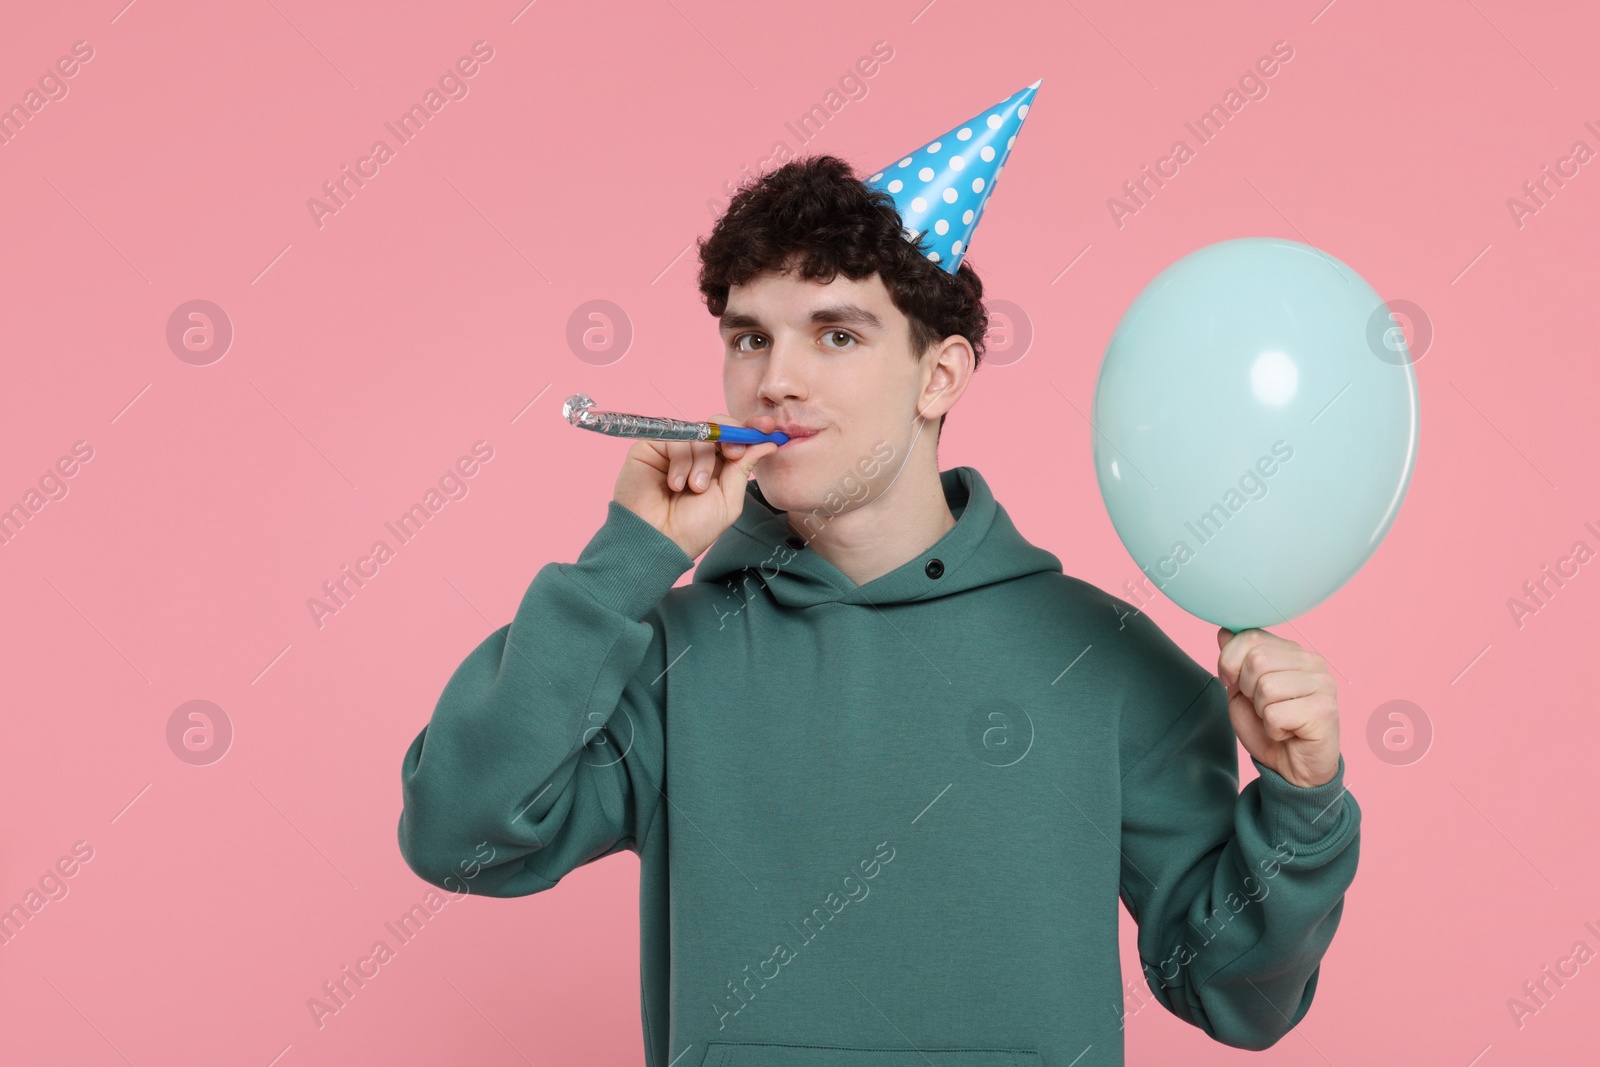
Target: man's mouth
(796, 437)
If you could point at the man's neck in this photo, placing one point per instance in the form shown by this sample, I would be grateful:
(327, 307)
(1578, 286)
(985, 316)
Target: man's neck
(894, 526)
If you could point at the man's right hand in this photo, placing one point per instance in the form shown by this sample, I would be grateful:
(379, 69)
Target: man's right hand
(661, 483)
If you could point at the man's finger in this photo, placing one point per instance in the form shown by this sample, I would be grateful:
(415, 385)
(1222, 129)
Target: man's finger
(1275, 661)
(1230, 658)
(1231, 661)
(746, 464)
(729, 449)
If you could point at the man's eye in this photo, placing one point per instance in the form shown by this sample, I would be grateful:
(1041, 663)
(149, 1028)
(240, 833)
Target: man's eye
(846, 334)
(738, 341)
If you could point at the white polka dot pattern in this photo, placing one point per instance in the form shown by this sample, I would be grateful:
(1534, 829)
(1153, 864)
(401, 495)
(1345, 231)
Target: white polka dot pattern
(953, 181)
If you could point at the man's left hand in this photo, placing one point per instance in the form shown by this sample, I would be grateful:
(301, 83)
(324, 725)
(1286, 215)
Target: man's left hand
(1283, 704)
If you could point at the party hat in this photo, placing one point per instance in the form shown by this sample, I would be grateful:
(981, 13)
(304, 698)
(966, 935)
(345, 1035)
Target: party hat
(942, 188)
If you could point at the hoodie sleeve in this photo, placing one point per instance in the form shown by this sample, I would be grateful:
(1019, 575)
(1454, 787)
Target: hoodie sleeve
(545, 750)
(1236, 895)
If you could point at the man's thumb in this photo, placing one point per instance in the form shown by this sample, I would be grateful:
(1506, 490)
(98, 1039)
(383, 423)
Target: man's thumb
(746, 463)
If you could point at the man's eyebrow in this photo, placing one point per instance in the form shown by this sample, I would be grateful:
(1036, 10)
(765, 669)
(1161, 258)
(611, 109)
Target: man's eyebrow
(849, 314)
(736, 320)
(831, 314)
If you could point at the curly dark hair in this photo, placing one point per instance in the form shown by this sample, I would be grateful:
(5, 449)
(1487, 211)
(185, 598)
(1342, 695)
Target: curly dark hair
(816, 209)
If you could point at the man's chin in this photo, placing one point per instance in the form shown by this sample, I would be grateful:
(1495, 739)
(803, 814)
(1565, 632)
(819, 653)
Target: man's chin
(789, 491)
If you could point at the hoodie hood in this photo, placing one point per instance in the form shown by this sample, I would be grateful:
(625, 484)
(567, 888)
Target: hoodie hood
(981, 549)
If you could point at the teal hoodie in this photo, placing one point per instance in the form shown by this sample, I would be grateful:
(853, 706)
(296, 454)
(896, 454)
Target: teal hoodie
(881, 825)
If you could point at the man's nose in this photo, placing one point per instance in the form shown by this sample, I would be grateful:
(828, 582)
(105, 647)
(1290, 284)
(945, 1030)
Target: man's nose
(785, 374)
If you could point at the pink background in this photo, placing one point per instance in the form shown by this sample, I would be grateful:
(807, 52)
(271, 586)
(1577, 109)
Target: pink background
(432, 312)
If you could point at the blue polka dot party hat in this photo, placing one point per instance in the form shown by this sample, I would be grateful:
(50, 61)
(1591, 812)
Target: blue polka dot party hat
(942, 188)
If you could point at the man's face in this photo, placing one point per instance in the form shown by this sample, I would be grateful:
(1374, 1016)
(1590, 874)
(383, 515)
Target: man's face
(832, 358)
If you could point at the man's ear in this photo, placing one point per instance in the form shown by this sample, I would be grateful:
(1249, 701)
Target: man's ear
(950, 364)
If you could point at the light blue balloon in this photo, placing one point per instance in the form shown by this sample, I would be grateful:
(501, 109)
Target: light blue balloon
(1255, 429)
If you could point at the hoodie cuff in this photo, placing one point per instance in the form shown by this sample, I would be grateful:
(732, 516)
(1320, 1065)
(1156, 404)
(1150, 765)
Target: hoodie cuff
(628, 564)
(1302, 815)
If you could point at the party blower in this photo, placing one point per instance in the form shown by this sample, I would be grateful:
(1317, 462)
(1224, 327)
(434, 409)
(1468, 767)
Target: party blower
(579, 410)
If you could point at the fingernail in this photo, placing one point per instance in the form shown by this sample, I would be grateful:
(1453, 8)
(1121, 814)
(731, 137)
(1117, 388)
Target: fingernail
(702, 479)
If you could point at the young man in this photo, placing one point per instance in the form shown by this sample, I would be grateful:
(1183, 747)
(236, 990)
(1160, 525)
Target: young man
(887, 768)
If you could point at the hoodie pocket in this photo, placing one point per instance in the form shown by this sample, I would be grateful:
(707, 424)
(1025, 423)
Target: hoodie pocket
(723, 1054)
